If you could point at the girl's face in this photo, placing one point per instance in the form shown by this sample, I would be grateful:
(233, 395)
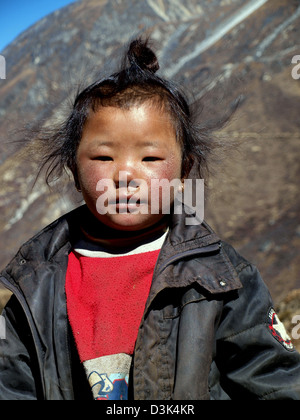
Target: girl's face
(123, 153)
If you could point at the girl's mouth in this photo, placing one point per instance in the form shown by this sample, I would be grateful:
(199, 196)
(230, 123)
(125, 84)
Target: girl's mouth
(127, 202)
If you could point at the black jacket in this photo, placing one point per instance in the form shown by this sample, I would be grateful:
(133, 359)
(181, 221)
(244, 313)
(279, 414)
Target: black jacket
(207, 330)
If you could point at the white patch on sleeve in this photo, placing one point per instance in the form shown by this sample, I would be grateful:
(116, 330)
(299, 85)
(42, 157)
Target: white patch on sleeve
(278, 330)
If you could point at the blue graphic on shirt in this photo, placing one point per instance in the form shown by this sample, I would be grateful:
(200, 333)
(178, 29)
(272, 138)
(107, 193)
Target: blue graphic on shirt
(114, 387)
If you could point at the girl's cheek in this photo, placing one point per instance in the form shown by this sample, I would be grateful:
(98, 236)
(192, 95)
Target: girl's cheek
(171, 170)
(89, 179)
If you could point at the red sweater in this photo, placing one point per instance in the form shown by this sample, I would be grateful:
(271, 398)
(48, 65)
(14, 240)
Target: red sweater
(106, 299)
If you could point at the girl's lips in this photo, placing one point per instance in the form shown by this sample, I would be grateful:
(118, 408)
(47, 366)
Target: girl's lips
(123, 197)
(124, 200)
(125, 207)
(122, 204)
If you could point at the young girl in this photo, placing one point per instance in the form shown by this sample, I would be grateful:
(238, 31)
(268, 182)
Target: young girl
(120, 299)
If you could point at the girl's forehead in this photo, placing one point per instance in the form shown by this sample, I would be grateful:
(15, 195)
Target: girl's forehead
(140, 126)
(145, 116)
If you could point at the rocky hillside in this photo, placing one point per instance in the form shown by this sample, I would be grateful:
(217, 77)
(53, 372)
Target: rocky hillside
(218, 50)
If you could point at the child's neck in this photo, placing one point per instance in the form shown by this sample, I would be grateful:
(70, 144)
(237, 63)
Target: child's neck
(111, 238)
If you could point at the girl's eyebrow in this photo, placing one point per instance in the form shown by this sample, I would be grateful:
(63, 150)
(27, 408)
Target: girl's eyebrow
(109, 143)
(150, 144)
(95, 144)
(103, 143)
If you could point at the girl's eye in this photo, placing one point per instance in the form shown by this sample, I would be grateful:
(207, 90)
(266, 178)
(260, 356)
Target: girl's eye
(103, 158)
(151, 159)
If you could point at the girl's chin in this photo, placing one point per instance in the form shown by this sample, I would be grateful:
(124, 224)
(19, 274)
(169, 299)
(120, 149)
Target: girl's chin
(129, 221)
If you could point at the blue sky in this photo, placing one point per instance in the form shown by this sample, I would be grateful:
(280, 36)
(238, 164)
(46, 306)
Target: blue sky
(17, 15)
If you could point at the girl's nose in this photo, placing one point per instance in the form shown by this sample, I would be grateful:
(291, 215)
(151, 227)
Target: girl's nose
(125, 174)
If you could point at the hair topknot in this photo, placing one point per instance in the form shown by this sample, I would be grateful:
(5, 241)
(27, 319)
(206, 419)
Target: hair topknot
(141, 55)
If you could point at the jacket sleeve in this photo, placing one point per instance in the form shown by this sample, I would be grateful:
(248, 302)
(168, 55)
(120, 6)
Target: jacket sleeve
(17, 359)
(254, 355)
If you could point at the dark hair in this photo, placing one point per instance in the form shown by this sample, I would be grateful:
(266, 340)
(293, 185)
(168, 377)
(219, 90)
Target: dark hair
(136, 82)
